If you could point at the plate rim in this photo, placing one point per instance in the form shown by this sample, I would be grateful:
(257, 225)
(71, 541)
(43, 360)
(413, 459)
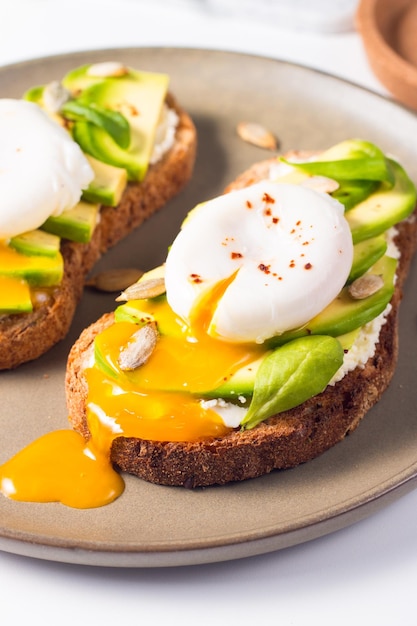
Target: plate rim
(92, 553)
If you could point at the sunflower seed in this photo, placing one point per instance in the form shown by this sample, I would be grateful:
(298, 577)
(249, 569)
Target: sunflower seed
(257, 135)
(321, 183)
(365, 286)
(114, 280)
(54, 96)
(107, 69)
(139, 348)
(143, 289)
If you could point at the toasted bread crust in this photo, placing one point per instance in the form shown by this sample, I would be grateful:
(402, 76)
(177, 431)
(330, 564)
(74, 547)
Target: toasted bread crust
(282, 441)
(25, 337)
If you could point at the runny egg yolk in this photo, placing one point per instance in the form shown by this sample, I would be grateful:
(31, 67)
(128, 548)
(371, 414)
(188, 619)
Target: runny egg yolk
(158, 401)
(163, 395)
(61, 467)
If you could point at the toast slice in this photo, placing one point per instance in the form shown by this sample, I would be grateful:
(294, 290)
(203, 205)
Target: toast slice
(282, 441)
(25, 337)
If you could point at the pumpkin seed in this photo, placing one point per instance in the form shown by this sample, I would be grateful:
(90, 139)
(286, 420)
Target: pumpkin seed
(54, 96)
(142, 290)
(139, 348)
(107, 69)
(365, 286)
(115, 279)
(257, 135)
(321, 183)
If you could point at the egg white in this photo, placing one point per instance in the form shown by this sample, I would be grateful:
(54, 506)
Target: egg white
(42, 170)
(288, 248)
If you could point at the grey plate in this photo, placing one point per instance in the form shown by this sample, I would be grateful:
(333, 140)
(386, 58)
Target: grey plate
(153, 526)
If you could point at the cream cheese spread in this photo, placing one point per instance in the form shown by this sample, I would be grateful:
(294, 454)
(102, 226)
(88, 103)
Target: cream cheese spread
(165, 134)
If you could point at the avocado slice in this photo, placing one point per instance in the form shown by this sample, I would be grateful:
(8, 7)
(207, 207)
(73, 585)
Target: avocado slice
(365, 254)
(76, 224)
(108, 184)
(103, 364)
(36, 242)
(94, 141)
(135, 311)
(344, 314)
(239, 384)
(384, 208)
(34, 94)
(37, 270)
(139, 97)
(132, 312)
(351, 192)
(14, 296)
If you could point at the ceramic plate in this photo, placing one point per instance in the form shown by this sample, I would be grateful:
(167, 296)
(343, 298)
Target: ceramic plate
(154, 526)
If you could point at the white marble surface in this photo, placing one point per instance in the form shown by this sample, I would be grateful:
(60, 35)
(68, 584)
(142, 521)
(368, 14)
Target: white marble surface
(363, 574)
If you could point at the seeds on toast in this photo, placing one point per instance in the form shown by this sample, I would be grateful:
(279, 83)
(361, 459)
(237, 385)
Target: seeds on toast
(142, 290)
(55, 96)
(139, 348)
(365, 286)
(107, 69)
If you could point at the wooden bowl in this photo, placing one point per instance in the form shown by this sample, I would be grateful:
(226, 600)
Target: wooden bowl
(389, 32)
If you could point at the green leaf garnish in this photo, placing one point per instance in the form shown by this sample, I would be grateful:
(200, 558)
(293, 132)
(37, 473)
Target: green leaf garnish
(351, 192)
(113, 122)
(351, 160)
(291, 375)
(347, 169)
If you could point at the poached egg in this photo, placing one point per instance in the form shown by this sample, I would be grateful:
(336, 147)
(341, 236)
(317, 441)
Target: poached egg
(42, 170)
(259, 261)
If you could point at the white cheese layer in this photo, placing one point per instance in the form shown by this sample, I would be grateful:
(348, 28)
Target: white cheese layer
(231, 414)
(42, 170)
(285, 250)
(165, 134)
(363, 348)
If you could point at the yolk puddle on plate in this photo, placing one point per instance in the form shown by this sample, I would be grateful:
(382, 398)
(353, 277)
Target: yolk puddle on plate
(158, 401)
(61, 467)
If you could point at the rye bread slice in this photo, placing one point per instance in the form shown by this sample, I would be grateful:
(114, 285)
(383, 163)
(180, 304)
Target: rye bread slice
(25, 337)
(283, 441)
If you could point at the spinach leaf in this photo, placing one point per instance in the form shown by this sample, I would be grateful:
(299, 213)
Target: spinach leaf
(374, 168)
(113, 122)
(351, 192)
(351, 160)
(293, 373)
